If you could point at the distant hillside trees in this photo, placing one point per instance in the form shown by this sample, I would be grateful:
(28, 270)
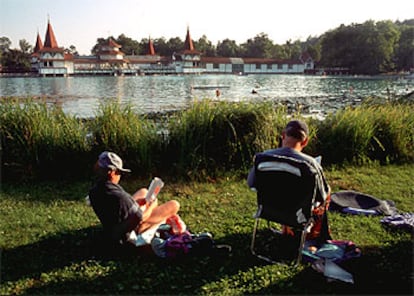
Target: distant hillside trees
(367, 48)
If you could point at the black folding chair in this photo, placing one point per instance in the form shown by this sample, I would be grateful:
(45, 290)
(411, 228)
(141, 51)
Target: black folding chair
(286, 190)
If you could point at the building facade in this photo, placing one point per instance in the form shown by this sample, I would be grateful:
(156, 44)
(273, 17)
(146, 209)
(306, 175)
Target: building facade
(49, 59)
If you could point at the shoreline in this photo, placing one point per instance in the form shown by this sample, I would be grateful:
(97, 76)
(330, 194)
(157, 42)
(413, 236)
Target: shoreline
(353, 76)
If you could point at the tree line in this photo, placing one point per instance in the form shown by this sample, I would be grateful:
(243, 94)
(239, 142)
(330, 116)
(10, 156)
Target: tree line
(367, 48)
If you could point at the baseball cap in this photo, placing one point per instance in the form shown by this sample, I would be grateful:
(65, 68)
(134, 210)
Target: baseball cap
(297, 129)
(110, 160)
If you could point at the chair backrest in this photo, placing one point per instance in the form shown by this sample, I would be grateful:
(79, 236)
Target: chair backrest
(285, 188)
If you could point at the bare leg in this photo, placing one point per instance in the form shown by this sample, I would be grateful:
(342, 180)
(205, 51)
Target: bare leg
(159, 214)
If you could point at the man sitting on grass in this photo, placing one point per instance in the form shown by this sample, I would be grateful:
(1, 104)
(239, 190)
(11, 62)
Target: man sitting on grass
(118, 211)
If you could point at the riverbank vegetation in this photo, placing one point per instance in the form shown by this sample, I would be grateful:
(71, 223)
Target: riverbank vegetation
(41, 142)
(49, 240)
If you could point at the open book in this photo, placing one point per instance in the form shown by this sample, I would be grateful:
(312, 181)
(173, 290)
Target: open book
(154, 189)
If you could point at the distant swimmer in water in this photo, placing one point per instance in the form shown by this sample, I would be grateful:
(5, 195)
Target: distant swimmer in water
(254, 91)
(218, 93)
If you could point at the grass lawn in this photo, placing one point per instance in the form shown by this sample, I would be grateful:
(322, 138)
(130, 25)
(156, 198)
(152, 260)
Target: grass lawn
(49, 238)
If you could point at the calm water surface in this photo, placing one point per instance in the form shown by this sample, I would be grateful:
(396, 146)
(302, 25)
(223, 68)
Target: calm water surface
(81, 96)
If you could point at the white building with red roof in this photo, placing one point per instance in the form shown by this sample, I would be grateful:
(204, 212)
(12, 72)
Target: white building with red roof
(188, 61)
(51, 60)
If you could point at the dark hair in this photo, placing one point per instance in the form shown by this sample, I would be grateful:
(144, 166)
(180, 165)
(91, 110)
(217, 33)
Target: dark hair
(101, 173)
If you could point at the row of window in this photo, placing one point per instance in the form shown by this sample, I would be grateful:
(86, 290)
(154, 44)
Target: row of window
(259, 66)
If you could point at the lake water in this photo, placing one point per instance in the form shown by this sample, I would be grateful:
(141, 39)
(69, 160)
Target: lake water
(81, 96)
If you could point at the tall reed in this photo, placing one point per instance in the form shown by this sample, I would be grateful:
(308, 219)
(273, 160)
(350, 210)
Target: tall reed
(220, 135)
(394, 133)
(39, 140)
(382, 133)
(118, 128)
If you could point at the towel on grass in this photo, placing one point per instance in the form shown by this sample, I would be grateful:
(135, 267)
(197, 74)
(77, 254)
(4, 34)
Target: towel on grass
(353, 202)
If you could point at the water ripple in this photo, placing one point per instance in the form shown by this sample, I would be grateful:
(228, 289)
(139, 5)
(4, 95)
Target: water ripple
(81, 96)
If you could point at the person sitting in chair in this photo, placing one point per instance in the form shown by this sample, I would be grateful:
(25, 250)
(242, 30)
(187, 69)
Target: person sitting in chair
(118, 211)
(295, 137)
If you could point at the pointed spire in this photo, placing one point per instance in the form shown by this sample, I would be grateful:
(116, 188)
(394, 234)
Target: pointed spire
(188, 44)
(50, 39)
(112, 43)
(151, 50)
(39, 44)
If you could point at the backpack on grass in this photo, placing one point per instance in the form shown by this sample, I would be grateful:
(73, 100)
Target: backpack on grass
(167, 245)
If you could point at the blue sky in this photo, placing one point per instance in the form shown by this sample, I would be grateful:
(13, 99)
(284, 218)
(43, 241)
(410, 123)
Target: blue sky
(81, 22)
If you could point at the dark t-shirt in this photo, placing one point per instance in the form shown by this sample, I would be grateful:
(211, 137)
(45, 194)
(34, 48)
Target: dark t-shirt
(115, 208)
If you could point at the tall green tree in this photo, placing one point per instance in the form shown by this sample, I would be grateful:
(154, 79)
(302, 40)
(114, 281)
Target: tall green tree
(292, 50)
(72, 50)
(129, 46)
(161, 47)
(4, 48)
(366, 48)
(16, 61)
(404, 54)
(99, 43)
(260, 47)
(312, 45)
(175, 45)
(5, 44)
(228, 48)
(25, 46)
(205, 46)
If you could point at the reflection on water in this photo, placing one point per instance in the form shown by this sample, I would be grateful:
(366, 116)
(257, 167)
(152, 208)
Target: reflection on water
(82, 95)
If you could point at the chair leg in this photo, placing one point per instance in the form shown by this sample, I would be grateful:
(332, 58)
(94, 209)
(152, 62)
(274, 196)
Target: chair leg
(267, 259)
(256, 224)
(303, 240)
(301, 245)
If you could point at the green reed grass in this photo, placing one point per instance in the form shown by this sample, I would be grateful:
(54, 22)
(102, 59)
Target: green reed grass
(382, 133)
(211, 135)
(134, 137)
(394, 133)
(40, 140)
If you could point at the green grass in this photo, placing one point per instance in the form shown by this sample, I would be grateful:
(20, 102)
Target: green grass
(48, 235)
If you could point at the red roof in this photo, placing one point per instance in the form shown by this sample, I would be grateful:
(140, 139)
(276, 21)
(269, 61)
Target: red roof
(50, 39)
(151, 50)
(39, 44)
(188, 44)
(50, 49)
(68, 56)
(112, 43)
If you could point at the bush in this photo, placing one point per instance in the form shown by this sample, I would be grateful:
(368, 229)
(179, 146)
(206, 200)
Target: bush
(211, 136)
(132, 136)
(40, 141)
(382, 133)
